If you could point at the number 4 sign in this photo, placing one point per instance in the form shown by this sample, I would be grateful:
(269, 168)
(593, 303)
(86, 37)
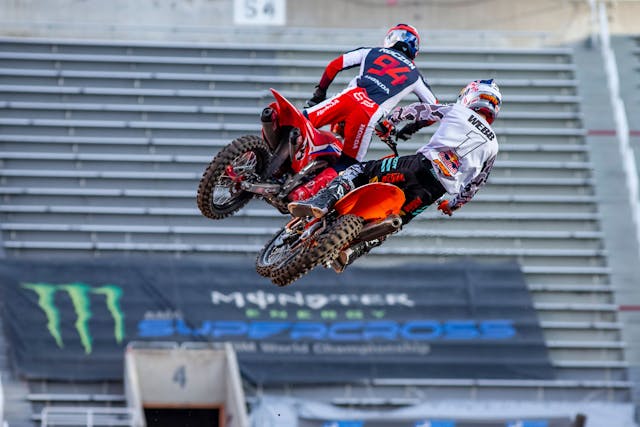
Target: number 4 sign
(259, 12)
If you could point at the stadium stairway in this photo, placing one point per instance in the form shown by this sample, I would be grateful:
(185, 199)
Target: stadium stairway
(627, 52)
(103, 144)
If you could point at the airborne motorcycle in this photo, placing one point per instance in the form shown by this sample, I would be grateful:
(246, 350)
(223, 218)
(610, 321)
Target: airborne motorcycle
(366, 214)
(289, 153)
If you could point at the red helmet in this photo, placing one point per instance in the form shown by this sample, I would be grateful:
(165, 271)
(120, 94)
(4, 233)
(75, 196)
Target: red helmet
(405, 37)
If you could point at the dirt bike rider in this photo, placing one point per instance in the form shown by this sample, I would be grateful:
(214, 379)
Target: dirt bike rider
(456, 160)
(387, 74)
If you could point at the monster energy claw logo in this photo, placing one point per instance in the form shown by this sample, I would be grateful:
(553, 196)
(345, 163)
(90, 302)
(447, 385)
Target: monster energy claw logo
(80, 295)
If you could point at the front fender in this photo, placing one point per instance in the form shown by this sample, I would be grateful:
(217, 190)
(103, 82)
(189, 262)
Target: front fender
(372, 201)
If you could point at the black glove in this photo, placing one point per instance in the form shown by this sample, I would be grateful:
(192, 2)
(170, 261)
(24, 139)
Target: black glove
(405, 132)
(319, 95)
(384, 129)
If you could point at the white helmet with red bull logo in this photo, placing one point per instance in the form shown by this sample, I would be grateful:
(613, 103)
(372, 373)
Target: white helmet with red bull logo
(405, 38)
(482, 96)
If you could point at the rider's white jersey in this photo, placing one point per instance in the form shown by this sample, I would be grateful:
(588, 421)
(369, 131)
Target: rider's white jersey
(462, 149)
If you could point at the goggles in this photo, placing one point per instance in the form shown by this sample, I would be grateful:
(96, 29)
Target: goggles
(491, 98)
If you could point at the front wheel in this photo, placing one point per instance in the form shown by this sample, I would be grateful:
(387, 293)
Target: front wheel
(281, 248)
(219, 192)
(318, 249)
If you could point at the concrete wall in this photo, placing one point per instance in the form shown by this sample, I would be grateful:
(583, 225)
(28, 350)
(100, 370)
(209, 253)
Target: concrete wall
(178, 377)
(189, 376)
(556, 21)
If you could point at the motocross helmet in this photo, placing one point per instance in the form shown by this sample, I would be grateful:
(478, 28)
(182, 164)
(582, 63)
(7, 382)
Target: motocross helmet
(482, 96)
(404, 38)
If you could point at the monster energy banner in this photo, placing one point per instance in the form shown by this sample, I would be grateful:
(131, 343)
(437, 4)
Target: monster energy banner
(72, 320)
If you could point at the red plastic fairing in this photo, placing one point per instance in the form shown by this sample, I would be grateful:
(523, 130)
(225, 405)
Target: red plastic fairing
(314, 143)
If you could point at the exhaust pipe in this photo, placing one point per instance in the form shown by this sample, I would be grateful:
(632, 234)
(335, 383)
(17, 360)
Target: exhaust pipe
(389, 225)
(270, 128)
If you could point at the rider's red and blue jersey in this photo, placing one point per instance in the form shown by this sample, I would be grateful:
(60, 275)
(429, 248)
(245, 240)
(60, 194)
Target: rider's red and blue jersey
(386, 74)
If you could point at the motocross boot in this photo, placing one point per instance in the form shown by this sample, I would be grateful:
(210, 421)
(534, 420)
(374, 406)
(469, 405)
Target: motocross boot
(349, 255)
(312, 187)
(318, 205)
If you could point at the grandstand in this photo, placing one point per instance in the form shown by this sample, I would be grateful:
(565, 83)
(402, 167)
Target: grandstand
(103, 144)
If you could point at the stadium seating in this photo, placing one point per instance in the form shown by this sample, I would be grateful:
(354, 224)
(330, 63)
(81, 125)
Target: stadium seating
(57, 403)
(103, 144)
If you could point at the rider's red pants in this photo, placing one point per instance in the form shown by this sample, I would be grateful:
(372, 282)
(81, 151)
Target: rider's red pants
(355, 108)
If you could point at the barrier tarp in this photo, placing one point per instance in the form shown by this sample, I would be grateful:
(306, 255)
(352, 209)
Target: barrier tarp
(71, 319)
(281, 411)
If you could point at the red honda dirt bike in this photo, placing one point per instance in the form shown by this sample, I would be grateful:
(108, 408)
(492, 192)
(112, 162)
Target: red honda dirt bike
(365, 214)
(289, 153)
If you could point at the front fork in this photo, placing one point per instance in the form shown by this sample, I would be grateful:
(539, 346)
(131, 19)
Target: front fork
(304, 227)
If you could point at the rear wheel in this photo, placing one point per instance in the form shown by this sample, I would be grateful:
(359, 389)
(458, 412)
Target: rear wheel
(317, 249)
(219, 192)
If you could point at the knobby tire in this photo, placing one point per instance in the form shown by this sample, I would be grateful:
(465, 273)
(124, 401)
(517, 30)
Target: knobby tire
(216, 170)
(325, 247)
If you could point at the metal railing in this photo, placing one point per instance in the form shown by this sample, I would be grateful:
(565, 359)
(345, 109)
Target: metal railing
(89, 417)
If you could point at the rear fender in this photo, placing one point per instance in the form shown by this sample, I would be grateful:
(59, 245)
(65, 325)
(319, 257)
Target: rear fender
(289, 115)
(315, 143)
(372, 201)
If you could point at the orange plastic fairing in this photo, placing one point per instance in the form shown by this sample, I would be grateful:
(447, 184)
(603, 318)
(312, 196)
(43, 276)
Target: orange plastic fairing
(372, 201)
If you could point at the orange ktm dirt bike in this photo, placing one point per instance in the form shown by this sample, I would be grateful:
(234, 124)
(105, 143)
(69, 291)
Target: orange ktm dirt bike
(289, 153)
(365, 214)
